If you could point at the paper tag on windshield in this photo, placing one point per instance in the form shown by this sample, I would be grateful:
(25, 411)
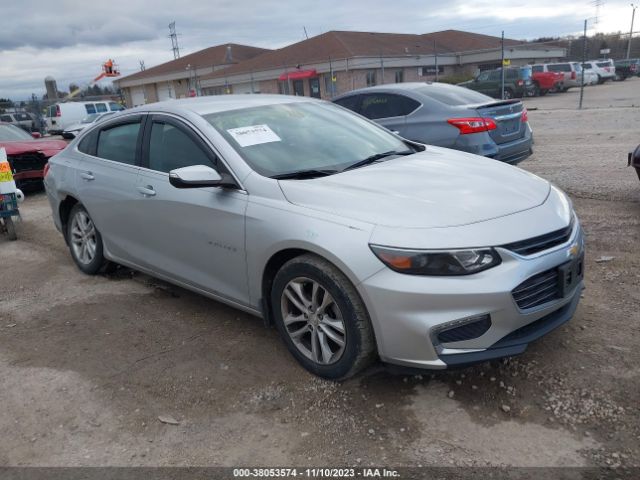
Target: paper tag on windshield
(254, 135)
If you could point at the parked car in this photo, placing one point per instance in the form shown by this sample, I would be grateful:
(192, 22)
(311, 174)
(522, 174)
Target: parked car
(605, 69)
(447, 116)
(627, 68)
(590, 76)
(570, 70)
(355, 243)
(489, 82)
(545, 82)
(75, 128)
(23, 120)
(634, 160)
(61, 115)
(27, 156)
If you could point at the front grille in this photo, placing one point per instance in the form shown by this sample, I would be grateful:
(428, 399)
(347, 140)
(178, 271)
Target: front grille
(27, 162)
(542, 242)
(466, 331)
(537, 290)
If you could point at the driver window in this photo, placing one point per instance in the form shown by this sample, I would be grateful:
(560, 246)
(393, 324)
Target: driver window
(171, 148)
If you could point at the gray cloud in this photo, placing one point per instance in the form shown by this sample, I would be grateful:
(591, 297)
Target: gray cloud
(69, 39)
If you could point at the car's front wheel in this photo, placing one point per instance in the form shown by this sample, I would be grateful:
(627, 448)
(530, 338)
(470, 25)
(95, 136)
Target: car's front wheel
(321, 318)
(85, 241)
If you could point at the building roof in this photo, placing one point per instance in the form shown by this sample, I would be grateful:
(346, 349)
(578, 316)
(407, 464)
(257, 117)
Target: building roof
(339, 45)
(229, 53)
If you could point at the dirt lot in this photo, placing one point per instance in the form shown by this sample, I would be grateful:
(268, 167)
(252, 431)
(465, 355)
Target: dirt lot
(88, 364)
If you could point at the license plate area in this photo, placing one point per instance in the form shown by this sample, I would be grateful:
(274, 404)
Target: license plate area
(570, 275)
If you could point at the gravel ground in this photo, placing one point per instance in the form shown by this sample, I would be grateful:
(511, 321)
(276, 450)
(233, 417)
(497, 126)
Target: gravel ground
(88, 365)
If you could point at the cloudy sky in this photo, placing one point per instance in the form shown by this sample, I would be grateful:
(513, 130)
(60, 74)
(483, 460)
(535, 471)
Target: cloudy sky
(70, 39)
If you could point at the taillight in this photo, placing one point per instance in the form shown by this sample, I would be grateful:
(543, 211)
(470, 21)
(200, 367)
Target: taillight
(46, 169)
(573, 75)
(473, 124)
(525, 115)
(520, 83)
(58, 112)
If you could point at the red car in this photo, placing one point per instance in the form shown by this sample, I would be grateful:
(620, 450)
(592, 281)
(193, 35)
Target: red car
(27, 155)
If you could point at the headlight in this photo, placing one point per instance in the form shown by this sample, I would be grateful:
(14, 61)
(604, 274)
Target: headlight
(437, 262)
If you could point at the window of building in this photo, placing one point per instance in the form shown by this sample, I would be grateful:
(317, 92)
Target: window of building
(171, 148)
(430, 70)
(118, 143)
(298, 88)
(371, 78)
(283, 87)
(384, 105)
(314, 87)
(399, 76)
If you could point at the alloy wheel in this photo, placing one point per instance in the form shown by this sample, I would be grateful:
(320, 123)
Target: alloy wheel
(83, 237)
(313, 321)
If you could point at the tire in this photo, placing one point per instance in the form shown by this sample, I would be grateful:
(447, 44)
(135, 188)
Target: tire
(81, 235)
(11, 228)
(543, 92)
(600, 80)
(535, 92)
(294, 285)
(508, 94)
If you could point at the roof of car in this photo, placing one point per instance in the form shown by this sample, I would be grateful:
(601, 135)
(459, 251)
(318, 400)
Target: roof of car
(403, 87)
(213, 104)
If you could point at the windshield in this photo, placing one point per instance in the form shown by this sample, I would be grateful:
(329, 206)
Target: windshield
(284, 138)
(90, 118)
(9, 133)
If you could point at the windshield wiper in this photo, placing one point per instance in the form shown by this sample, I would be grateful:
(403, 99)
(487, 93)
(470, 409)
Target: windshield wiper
(303, 174)
(376, 157)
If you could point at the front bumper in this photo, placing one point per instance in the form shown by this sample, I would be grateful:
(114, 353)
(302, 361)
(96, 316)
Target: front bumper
(408, 311)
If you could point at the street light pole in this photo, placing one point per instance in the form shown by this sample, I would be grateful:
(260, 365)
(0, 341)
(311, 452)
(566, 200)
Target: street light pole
(584, 59)
(502, 69)
(633, 14)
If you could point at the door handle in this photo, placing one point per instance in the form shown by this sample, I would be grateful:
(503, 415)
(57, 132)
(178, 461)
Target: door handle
(147, 191)
(88, 176)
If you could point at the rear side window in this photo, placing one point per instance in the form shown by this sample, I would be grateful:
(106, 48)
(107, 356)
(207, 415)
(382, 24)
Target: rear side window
(559, 67)
(385, 105)
(587, 66)
(119, 143)
(495, 75)
(88, 143)
(538, 68)
(90, 108)
(6, 118)
(22, 117)
(115, 107)
(171, 148)
(101, 107)
(511, 74)
(349, 102)
(603, 64)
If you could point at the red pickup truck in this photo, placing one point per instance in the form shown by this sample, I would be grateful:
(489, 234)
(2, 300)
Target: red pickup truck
(547, 82)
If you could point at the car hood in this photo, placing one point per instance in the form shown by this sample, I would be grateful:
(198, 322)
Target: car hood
(47, 147)
(435, 188)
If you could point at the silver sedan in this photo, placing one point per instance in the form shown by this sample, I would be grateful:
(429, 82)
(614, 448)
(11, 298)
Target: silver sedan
(355, 243)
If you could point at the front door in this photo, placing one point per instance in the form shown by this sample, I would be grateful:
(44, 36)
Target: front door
(193, 235)
(314, 87)
(298, 88)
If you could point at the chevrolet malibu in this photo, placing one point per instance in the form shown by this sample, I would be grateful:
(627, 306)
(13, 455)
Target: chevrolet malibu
(358, 245)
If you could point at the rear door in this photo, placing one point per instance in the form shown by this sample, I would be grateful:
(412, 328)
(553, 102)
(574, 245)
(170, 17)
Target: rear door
(508, 118)
(387, 109)
(106, 184)
(193, 235)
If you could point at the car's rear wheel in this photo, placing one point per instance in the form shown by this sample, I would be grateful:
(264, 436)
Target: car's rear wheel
(321, 318)
(10, 227)
(543, 92)
(85, 241)
(508, 94)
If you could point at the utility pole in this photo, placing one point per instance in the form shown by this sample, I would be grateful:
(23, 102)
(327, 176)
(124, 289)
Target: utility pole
(305, 32)
(633, 14)
(382, 68)
(332, 92)
(435, 51)
(502, 68)
(584, 59)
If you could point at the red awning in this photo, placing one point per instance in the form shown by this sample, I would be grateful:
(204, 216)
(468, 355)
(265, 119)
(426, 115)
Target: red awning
(298, 74)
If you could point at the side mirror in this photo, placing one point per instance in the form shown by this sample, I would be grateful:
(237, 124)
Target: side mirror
(36, 135)
(634, 157)
(199, 176)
